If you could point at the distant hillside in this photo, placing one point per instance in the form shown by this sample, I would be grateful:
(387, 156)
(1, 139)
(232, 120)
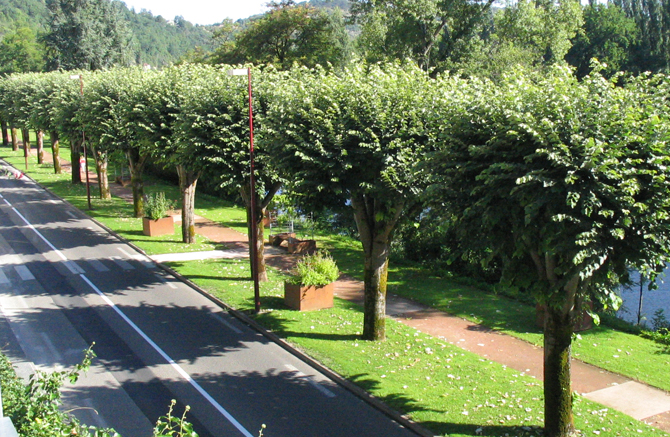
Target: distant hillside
(160, 41)
(163, 42)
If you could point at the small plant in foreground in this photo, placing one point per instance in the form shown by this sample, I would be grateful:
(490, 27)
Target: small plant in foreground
(315, 270)
(171, 426)
(156, 206)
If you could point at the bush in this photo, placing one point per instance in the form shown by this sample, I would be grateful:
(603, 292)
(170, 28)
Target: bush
(156, 206)
(315, 270)
(34, 408)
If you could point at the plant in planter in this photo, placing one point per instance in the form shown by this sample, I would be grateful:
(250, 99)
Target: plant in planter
(156, 220)
(311, 284)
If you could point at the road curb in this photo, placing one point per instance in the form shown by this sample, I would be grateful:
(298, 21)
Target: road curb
(343, 382)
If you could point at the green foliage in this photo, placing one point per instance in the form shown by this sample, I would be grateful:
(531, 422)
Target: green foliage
(161, 42)
(315, 270)
(550, 166)
(20, 52)
(156, 206)
(427, 31)
(288, 34)
(35, 408)
(609, 36)
(87, 35)
(171, 426)
(652, 17)
(660, 321)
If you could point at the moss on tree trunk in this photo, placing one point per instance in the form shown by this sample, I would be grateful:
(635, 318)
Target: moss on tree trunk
(136, 163)
(557, 384)
(103, 178)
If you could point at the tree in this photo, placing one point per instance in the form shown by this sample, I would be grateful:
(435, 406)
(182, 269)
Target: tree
(608, 35)
(288, 34)
(652, 53)
(103, 118)
(213, 129)
(43, 110)
(568, 184)
(66, 106)
(426, 31)
(20, 52)
(148, 111)
(87, 35)
(351, 140)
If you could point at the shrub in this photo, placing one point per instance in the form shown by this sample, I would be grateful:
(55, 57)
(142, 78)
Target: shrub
(34, 408)
(156, 206)
(315, 270)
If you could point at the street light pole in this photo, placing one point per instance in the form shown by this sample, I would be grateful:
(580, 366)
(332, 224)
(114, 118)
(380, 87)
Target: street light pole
(253, 252)
(83, 139)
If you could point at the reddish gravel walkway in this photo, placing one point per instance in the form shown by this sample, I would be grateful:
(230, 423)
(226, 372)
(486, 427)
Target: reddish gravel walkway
(637, 400)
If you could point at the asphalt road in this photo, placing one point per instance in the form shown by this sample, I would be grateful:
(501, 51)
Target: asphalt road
(66, 283)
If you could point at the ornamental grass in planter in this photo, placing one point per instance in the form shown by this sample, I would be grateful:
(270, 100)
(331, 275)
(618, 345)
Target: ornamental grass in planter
(156, 220)
(311, 284)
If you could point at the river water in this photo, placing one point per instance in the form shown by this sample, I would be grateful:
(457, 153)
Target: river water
(652, 301)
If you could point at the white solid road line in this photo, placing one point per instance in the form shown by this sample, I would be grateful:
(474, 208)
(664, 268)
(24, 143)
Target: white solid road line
(157, 348)
(170, 361)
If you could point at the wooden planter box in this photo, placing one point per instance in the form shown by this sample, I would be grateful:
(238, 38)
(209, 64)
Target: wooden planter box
(301, 247)
(277, 239)
(153, 228)
(308, 298)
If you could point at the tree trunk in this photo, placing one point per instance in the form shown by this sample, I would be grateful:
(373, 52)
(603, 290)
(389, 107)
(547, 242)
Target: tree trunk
(25, 136)
(101, 171)
(375, 222)
(55, 151)
(15, 139)
(74, 160)
(261, 208)
(260, 234)
(561, 308)
(5, 134)
(136, 166)
(40, 147)
(187, 184)
(558, 421)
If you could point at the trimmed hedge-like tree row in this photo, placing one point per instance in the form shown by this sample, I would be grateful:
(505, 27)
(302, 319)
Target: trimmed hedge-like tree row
(565, 182)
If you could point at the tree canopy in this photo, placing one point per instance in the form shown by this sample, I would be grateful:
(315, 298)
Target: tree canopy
(87, 34)
(568, 183)
(287, 34)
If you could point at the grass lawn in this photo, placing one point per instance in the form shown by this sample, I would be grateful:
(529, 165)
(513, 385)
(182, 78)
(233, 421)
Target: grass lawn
(446, 389)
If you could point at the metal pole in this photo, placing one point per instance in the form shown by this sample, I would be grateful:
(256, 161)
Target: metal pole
(83, 140)
(252, 182)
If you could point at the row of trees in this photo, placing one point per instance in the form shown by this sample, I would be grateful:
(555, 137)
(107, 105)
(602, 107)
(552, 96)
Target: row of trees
(564, 183)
